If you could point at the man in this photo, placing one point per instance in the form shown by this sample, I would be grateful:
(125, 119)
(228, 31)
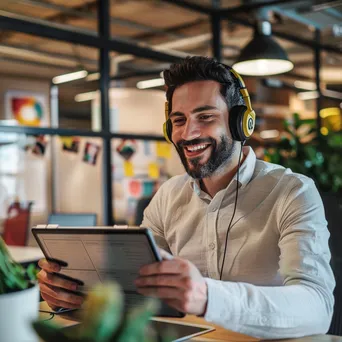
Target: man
(248, 238)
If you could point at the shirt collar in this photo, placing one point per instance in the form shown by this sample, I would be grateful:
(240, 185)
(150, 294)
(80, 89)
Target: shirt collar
(245, 172)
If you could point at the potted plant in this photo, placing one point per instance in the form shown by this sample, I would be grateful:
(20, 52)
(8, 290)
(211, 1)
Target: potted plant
(19, 299)
(104, 319)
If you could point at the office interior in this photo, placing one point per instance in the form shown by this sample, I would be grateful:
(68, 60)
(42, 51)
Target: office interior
(82, 94)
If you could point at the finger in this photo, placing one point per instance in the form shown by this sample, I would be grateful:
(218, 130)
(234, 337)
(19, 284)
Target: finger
(54, 303)
(161, 292)
(174, 266)
(162, 280)
(61, 295)
(56, 281)
(49, 266)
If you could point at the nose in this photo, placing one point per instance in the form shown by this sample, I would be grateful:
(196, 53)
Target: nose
(191, 130)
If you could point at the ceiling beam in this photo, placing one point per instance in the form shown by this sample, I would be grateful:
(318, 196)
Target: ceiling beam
(230, 15)
(34, 63)
(43, 53)
(42, 28)
(80, 12)
(191, 6)
(253, 6)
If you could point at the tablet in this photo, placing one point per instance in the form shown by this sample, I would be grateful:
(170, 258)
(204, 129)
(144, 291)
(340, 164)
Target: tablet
(89, 255)
(179, 331)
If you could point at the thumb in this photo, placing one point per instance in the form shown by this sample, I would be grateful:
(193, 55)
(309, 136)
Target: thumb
(165, 255)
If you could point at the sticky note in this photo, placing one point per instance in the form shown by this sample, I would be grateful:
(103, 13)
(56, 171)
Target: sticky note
(128, 169)
(153, 170)
(163, 150)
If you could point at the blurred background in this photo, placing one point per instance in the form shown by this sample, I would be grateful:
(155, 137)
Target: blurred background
(82, 97)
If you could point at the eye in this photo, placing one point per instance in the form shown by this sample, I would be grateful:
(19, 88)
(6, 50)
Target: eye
(178, 121)
(205, 116)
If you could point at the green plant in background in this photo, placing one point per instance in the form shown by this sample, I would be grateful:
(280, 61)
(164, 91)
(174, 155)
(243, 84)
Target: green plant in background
(104, 319)
(13, 276)
(316, 156)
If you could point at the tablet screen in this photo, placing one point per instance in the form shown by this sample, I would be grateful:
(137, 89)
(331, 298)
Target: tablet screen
(93, 258)
(93, 255)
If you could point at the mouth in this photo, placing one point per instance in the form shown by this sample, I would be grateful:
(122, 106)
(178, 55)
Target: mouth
(192, 151)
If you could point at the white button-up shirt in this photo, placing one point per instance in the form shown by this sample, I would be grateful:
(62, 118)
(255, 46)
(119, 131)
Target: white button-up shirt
(277, 281)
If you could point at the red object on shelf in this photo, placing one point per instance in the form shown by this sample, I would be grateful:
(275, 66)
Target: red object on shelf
(16, 225)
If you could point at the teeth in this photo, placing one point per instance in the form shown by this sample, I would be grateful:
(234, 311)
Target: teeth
(196, 148)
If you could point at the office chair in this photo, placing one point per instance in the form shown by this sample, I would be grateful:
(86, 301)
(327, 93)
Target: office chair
(16, 225)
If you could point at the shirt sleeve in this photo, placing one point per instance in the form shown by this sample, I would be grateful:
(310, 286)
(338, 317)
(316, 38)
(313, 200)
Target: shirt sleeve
(153, 219)
(304, 304)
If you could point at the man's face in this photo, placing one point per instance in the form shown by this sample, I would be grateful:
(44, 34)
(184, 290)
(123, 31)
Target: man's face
(200, 128)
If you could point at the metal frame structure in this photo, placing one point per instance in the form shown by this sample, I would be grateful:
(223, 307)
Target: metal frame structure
(105, 44)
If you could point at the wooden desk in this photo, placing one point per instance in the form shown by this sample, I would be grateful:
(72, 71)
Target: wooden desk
(25, 254)
(218, 335)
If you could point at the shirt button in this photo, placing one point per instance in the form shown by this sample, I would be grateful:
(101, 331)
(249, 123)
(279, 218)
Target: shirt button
(264, 320)
(214, 209)
(212, 245)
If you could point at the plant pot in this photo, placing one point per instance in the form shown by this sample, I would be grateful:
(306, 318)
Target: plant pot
(17, 311)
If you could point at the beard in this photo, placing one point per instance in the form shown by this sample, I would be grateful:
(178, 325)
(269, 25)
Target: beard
(220, 156)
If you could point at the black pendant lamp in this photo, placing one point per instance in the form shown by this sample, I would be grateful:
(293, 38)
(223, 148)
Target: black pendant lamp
(263, 56)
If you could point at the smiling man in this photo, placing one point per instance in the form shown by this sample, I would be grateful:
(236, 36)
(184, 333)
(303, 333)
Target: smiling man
(245, 242)
(248, 238)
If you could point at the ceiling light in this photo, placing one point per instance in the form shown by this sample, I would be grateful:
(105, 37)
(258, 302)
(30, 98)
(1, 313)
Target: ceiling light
(91, 95)
(307, 85)
(156, 82)
(93, 77)
(263, 56)
(325, 112)
(70, 77)
(308, 95)
(332, 93)
(324, 131)
(269, 134)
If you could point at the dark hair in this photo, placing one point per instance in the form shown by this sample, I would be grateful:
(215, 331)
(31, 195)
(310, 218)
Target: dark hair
(198, 68)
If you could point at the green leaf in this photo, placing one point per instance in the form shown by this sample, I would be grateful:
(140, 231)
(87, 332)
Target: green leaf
(137, 321)
(102, 312)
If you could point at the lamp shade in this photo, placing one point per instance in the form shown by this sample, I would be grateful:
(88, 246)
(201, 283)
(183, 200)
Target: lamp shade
(262, 56)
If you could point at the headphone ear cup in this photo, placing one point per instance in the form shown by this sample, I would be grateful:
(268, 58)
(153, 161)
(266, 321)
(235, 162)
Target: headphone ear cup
(167, 129)
(236, 116)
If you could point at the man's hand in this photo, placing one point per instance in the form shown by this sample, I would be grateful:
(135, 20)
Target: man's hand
(53, 288)
(177, 282)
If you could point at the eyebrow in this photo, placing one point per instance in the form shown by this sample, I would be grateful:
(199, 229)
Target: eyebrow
(194, 111)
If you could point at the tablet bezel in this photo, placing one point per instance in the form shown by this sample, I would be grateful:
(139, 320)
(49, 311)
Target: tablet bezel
(104, 231)
(98, 231)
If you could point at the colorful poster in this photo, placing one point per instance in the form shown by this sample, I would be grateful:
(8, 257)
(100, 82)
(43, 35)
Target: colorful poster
(40, 145)
(127, 148)
(70, 144)
(27, 109)
(91, 152)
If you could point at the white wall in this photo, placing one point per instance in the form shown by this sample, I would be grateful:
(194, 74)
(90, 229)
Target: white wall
(79, 185)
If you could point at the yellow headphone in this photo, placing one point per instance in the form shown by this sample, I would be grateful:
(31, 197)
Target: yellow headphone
(241, 117)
